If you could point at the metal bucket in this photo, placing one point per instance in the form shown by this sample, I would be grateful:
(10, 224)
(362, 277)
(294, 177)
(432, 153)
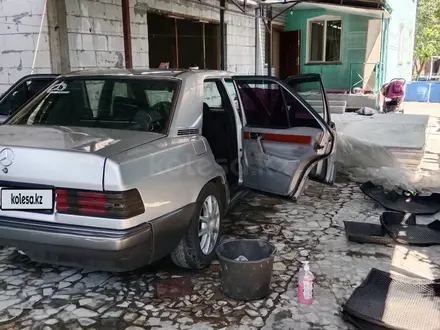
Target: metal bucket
(251, 279)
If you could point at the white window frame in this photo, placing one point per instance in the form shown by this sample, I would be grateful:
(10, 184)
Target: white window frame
(323, 18)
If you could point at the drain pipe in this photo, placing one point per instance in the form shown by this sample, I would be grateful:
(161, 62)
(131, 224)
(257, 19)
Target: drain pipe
(257, 43)
(39, 37)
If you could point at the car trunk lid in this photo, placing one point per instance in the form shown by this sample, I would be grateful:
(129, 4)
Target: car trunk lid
(63, 157)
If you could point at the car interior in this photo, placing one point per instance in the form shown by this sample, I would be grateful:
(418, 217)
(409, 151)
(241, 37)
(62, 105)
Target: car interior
(143, 105)
(219, 128)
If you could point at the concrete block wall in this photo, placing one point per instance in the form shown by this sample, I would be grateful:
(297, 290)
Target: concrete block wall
(96, 38)
(94, 30)
(95, 35)
(240, 43)
(20, 22)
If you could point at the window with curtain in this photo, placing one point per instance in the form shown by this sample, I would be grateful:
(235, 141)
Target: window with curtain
(324, 40)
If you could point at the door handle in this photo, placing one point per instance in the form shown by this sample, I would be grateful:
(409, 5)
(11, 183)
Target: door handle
(259, 138)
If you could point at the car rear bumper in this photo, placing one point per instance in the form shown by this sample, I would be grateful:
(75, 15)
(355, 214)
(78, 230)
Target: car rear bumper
(96, 248)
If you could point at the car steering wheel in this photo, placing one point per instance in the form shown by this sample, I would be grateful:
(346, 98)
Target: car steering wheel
(163, 108)
(154, 119)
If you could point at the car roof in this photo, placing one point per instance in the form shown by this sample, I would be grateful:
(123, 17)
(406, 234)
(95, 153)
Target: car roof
(40, 75)
(178, 73)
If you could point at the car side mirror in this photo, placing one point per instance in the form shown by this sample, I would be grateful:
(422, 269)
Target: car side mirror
(332, 125)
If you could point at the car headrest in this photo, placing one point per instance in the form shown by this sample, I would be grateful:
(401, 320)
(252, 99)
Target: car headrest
(125, 108)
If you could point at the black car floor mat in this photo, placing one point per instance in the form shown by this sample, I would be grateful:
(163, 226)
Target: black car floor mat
(362, 232)
(393, 301)
(398, 202)
(405, 230)
(394, 227)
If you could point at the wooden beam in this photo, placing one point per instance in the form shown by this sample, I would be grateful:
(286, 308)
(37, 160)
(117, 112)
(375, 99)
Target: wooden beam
(58, 41)
(126, 26)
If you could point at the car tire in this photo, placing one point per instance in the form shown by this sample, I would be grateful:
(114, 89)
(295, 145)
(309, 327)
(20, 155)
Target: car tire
(191, 253)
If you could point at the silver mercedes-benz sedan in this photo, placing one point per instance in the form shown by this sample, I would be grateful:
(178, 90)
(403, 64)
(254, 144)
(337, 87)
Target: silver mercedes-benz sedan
(115, 169)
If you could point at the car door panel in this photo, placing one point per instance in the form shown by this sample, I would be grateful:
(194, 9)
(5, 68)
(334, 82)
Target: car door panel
(278, 160)
(277, 155)
(311, 89)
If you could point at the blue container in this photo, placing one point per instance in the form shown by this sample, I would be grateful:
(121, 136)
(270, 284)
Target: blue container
(434, 95)
(417, 91)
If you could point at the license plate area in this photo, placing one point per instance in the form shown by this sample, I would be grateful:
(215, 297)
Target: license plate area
(27, 199)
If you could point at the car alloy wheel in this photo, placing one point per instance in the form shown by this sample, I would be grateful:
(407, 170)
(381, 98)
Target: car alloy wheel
(209, 224)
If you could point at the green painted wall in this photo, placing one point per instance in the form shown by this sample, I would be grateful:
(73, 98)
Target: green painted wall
(354, 43)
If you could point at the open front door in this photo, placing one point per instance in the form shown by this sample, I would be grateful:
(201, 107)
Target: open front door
(310, 89)
(283, 137)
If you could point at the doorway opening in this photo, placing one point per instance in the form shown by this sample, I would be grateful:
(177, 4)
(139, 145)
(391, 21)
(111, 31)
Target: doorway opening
(220, 128)
(290, 52)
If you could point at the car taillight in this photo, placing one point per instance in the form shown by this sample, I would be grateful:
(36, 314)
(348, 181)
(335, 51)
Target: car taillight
(117, 205)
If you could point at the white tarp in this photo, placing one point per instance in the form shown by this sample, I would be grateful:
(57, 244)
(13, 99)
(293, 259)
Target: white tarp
(362, 161)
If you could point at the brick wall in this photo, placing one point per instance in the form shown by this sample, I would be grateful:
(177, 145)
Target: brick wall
(20, 22)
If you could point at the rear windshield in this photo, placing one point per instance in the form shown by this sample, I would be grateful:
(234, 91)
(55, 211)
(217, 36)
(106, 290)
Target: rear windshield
(127, 104)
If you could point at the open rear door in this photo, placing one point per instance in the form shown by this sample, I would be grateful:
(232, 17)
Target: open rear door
(283, 137)
(310, 89)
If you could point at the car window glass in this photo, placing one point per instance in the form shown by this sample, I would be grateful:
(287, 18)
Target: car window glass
(120, 89)
(233, 93)
(94, 89)
(14, 100)
(211, 95)
(21, 94)
(311, 92)
(268, 104)
(263, 103)
(72, 102)
(35, 86)
(298, 114)
(157, 96)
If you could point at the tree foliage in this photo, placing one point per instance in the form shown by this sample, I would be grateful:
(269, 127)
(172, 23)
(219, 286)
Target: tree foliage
(427, 43)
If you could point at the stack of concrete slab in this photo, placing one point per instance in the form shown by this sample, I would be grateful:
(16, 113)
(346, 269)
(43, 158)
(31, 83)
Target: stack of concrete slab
(404, 135)
(315, 100)
(334, 106)
(354, 101)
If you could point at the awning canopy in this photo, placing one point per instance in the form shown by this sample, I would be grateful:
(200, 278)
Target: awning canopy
(371, 8)
(375, 4)
(354, 10)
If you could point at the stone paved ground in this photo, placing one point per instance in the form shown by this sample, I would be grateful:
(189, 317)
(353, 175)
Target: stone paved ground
(35, 296)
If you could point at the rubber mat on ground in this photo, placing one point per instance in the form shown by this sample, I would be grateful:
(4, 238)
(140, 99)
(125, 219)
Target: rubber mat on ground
(398, 202)
(394, 227)
(362, 232)
(391, 301)
(405, 230)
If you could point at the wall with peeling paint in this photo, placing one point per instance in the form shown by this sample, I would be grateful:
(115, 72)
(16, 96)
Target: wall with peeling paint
(20, 22)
